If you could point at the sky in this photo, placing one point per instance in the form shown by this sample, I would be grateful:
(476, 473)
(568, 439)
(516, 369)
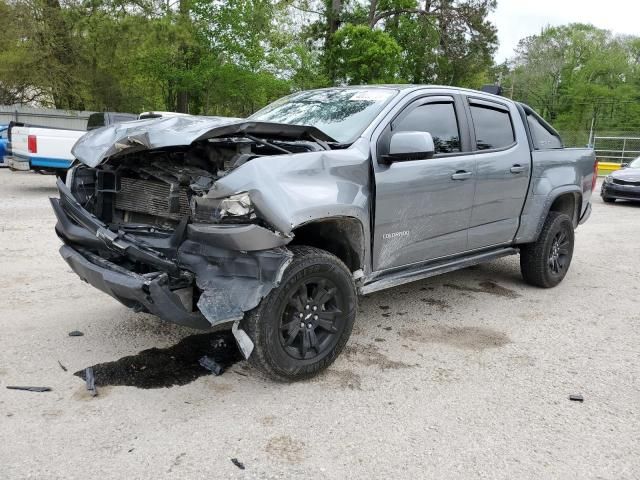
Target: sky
(517, 19)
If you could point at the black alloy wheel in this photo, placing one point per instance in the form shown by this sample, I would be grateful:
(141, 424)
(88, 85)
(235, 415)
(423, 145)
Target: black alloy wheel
(308, 325)
(559, 254)
(303, 324)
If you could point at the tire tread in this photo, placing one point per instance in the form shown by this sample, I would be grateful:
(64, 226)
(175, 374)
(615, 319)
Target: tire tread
(533, 258)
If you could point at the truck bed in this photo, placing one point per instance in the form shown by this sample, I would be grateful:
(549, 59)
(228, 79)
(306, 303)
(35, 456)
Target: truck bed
(42, 148)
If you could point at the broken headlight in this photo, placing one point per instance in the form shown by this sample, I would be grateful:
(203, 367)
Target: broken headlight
(235, 208)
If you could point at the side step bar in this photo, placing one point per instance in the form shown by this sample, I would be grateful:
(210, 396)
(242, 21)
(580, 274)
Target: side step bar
(406, 276)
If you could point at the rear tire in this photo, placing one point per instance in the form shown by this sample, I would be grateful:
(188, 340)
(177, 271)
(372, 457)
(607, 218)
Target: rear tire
(545, 262)
(303, 324)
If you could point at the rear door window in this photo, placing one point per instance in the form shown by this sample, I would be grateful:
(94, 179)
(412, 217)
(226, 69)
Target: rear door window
(492, 126)
(541, 136)
(439, 119)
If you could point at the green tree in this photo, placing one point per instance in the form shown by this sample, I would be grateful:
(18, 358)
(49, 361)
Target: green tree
(576, 75)
(361, 55)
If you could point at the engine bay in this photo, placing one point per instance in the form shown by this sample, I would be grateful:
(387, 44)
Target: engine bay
(154, 190)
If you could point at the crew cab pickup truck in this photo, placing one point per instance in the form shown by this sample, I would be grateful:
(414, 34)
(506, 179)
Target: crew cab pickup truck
(274, 224)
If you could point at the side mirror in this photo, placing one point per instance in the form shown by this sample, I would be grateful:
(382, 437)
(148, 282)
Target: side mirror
(406, 146)
(625, 165)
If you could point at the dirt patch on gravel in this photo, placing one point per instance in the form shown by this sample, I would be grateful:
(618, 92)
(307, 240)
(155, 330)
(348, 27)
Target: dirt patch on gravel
(489, 287)
(434, 302)
(285, 448)
(473, 338)
(370, 355)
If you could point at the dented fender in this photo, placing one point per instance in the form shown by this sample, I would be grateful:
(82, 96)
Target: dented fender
(289, 192)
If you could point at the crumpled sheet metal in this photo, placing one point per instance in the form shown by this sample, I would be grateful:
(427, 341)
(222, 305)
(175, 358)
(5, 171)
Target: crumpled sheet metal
(232, 282)
(290, 190)
(102, 143)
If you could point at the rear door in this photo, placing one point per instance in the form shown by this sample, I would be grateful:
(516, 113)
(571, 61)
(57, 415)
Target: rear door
(503, 169)
(423, 207)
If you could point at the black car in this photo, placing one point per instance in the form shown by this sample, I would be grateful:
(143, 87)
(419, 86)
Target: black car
(622, 184)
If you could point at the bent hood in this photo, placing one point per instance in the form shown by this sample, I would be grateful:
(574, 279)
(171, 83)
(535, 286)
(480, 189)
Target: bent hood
(97, 145)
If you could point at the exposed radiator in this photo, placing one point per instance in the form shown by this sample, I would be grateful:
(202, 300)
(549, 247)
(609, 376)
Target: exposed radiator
(151, 198)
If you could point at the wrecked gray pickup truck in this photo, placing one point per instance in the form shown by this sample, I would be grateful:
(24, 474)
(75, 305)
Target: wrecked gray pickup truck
(273, 225)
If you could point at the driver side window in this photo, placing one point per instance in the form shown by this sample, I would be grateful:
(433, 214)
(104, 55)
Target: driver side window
(439, 119)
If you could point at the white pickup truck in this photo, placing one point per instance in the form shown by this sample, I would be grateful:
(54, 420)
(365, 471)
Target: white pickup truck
(41, 148)
(49, 148)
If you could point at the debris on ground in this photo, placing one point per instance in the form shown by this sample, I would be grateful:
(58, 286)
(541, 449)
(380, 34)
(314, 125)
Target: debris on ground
(76, 333)
(62, 366)
(29, 389)
(211, 365)
(576, 398)
(90, 380)
(237, 463)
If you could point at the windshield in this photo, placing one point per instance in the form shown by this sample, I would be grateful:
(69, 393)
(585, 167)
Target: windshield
(341, 113)
(635, 163)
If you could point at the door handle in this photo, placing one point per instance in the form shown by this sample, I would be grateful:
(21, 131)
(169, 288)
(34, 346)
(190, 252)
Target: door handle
(461, 175)
(517, 169)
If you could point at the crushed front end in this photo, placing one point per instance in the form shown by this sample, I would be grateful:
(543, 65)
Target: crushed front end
(146, 227)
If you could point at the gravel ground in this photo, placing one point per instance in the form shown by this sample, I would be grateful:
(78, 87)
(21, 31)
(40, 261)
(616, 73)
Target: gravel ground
(466, 375)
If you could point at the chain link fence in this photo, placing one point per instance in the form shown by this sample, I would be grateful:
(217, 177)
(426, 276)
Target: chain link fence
(572, 138)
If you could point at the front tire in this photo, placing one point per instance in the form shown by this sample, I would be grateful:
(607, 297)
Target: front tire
(608, 199)
(545, 262)
(303, 324)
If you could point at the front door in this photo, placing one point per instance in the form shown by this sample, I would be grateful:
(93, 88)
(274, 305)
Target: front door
(423, 207)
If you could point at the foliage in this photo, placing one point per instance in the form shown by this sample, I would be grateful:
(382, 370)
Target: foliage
(230, 58)
(361, 55)
(576, 74)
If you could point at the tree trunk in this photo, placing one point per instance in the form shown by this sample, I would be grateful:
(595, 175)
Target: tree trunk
(334, 12)
(182, 95)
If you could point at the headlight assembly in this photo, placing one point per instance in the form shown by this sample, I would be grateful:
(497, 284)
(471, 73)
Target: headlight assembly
(235, 208)
(608, 179)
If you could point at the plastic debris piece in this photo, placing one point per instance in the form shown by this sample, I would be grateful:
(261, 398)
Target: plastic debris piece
(237, 463)
(29, 389)
(76, 333)
(576, 398)
(90, 379)
(62, 366)
(211, 365)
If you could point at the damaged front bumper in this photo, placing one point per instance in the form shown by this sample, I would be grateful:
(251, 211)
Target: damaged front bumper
(230, 267)
(140, 292)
